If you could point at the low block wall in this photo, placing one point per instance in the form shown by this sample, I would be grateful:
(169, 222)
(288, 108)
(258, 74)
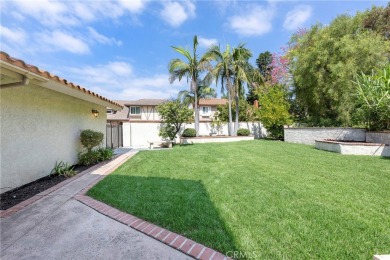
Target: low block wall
(378, 137)
(308, 135)
(202, 140)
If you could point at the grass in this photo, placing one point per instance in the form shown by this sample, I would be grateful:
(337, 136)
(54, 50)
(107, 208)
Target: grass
(266, 199)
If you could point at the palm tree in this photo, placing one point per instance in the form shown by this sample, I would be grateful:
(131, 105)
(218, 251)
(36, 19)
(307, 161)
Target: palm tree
(190, 68)
(204, 92)
(223, 72)
(241, 70)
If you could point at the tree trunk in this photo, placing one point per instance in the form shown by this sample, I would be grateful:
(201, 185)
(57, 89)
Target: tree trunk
(196, 109)
(230, 112)
(237, 113)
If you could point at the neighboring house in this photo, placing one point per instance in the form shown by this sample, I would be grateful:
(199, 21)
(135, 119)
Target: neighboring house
(208, 107)
(138, 122)
(42, 116)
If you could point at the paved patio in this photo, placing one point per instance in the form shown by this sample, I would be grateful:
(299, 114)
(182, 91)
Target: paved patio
(59, 227)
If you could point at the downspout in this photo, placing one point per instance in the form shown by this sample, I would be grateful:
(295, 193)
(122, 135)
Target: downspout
(22, 83)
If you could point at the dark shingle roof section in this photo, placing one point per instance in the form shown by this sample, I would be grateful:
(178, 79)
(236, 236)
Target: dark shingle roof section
(120, 115)
(34, 69)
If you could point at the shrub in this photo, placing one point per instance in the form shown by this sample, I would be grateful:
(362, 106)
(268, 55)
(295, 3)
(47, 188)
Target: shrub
(90, 139)
(89, 158)
(167, 131)
(373, 99)
(243, 132)
(189, 132)
(105, 154)
(63, 169)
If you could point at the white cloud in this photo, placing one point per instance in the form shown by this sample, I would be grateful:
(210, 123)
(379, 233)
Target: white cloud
(46, 12)
(206, 42)
(117, 80)
(15, 35)
(73, 13)
(297, 17)
(255, 21)
(60, 40)
(176, 13)
(134, 6)
(103, 39)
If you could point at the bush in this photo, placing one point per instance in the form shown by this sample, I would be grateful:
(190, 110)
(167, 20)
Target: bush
(63, 169)
(189, 132)
(105, 154)
(89, 158)
(90, 139)
(243, 132)
(372, 100)
(167, 131)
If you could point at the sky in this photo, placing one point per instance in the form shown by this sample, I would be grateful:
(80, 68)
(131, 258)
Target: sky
(121, 49)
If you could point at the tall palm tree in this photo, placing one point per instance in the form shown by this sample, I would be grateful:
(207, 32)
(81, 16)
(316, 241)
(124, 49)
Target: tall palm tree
(190, 68)
(223, 72)
(204, 92)
(241, 74)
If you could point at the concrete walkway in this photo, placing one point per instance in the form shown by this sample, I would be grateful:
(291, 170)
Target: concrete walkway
(59, 227)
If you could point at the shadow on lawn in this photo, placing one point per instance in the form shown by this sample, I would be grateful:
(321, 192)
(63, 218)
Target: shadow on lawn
(181, 206)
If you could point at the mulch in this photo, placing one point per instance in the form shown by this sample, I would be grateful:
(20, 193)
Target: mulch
(11, 198)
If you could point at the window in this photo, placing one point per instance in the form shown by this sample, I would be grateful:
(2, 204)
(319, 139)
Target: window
(109, 111)
(206, 110)
(135, 110)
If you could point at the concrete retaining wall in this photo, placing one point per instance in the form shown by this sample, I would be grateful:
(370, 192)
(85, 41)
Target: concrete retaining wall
(308, 135)
(354, 148)
(378, 137)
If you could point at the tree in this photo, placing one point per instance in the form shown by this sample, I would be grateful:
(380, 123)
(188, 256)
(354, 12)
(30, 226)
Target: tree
(190, 68)
(241, 70)
(222, 71)
(273, 109)
(373, 99)
(231, 69)
(204, 92)
(173, 114)
(378, 20)
(323, 62)
(263, 63)
(247, 112)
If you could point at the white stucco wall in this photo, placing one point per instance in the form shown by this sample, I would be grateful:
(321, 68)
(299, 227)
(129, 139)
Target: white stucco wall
(308, 135)
(39, 127)
(140, 133)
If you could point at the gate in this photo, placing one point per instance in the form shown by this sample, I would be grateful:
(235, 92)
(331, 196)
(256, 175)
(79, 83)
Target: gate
(114, 135)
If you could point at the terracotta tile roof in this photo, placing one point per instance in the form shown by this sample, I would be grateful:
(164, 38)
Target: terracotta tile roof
(145, 102)
(212, 101)
(34, 69)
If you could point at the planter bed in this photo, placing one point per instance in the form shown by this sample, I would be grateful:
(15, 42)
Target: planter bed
(353, 147)
(214, 139)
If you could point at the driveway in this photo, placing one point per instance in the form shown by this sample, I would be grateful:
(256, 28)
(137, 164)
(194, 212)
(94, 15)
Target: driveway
(59, 227)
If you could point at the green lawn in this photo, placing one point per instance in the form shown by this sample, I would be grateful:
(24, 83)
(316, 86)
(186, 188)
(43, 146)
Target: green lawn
(264, 198)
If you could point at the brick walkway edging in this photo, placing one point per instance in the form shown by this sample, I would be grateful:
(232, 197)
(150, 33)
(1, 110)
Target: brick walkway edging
(176, 241)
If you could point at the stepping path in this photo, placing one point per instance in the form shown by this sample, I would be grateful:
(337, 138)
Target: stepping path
(63, 223)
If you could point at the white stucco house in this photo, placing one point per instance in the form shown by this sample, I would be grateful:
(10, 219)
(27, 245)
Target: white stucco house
(140, 121)
(42, 116)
